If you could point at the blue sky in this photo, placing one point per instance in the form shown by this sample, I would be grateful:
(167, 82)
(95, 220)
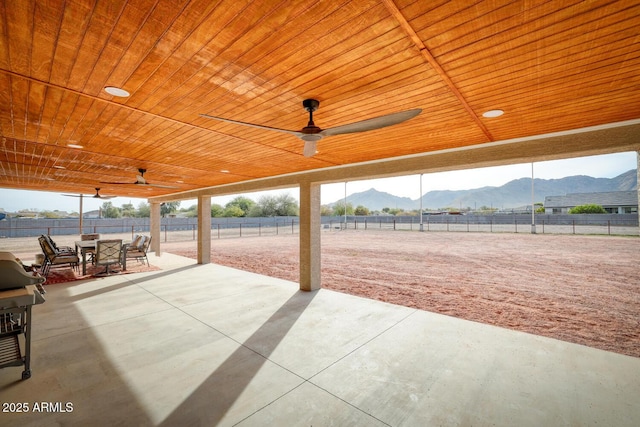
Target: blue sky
(606, 166)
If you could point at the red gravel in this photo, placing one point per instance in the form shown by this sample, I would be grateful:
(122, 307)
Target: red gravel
(581, 289)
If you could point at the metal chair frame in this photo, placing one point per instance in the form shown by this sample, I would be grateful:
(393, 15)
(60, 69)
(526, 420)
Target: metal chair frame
(108, 253)
(54, 258)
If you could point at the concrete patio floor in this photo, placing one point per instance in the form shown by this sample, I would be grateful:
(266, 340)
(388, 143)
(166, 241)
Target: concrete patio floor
(210, 345)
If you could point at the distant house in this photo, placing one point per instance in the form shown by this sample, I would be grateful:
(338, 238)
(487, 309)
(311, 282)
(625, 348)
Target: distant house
(92, 214)
(617, 202)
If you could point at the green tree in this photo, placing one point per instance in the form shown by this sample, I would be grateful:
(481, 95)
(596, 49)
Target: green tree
(242, 203)
(587, 209)
(393, 211)
(339, 207)
(233, 211)
(144, 210)
(168, 208)
(326, 210)
(267, 205)
(361, 210)
(216, 210)
(190, 212)
(127, 210)
(287, 205)
(110, 211)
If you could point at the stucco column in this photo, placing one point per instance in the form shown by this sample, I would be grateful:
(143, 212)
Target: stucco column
(310, 279)
(155, 228)
(204, 229)
(638, 186)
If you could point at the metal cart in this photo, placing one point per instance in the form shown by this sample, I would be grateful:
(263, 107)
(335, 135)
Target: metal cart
(19, 291)
(15, 326)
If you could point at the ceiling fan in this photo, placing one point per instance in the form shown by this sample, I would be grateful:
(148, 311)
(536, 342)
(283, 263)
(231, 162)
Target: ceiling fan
(140, 180)
(97, 195)
(311, 133)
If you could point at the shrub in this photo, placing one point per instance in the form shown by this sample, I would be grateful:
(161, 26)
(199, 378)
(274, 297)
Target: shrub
(587, 209)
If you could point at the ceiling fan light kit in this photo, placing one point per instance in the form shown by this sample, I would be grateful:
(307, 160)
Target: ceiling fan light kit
(311, 133)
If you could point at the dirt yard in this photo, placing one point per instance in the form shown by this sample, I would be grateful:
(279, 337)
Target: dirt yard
(581, 289)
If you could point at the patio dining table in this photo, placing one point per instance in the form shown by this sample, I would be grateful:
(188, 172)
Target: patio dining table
(85, 247)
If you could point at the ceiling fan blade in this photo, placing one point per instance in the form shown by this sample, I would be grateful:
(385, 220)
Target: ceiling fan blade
(89, 196)
(371, 124)
(158, 185)
(118, 183)
(145, 183)
(98, 196)
(252, 125)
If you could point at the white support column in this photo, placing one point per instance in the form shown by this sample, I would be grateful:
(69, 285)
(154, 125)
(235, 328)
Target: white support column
(204, 229)
(310, 278)
(155, 228)
(638, 186)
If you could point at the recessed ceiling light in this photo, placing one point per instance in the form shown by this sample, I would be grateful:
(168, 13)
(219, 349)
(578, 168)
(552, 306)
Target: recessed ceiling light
(492, 113)
(180, 181)
(116, 91)
(224, 171)
(58, 167)
(74, 146)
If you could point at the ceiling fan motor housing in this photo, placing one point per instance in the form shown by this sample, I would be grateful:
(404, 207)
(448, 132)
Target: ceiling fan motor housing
(310, 132)
(311, 105)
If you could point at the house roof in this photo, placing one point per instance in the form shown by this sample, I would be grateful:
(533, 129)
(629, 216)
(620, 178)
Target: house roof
(605, 199)
(552, 67)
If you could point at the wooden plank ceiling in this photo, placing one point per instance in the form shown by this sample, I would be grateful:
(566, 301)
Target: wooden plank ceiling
(550, 65)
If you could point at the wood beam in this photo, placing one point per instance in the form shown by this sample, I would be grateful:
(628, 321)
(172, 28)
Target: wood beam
(431, 60)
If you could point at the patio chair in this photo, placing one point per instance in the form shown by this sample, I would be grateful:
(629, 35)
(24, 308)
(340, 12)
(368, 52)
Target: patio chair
(135, 242)
(108, 253)
(56, 258)
(59, 249)
(138, 249)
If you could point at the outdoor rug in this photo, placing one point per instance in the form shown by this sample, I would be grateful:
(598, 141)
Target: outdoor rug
(68, 274)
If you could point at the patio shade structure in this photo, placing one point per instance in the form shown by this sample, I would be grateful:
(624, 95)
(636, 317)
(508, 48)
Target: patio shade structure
(93, 92)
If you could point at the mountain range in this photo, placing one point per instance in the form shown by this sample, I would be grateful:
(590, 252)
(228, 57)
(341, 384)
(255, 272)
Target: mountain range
(513, 194)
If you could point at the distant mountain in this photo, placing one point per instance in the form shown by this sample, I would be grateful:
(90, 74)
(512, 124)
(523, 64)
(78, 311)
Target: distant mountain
(377, 200)
(513, 194)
